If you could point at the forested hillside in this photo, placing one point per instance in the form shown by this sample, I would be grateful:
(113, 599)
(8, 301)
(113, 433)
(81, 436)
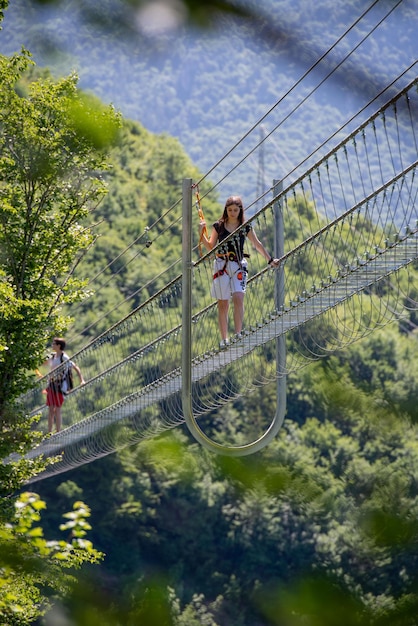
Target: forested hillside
(321, 527)
(322, 523)
(138, 234)
(328, 510)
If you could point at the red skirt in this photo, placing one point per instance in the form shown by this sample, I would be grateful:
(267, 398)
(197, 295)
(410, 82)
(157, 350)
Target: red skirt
(54, 397)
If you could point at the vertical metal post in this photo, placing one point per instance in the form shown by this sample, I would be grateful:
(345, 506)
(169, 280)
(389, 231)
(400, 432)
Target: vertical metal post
(279, 297)
(186, 357)
(278, 244)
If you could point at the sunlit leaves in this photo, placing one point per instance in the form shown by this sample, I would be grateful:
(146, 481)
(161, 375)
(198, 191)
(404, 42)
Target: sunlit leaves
(29, 563)
(92, 120)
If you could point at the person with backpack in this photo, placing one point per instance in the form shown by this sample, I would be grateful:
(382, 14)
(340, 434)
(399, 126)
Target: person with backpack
(60, 383)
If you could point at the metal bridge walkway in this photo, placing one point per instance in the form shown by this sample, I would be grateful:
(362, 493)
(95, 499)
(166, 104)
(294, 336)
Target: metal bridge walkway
(306, 306)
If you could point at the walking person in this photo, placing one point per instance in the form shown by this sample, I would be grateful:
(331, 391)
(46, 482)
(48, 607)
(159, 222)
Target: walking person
(230, 266)
(56, 388)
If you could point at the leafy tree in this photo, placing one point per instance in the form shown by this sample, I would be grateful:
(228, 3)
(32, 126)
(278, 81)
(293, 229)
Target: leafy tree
(52, 149)
(30, 564)
(49, 165)
(3, 5)
(53, 146)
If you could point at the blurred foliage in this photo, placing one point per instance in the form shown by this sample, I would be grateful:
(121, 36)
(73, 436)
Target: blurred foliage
(3, 5)
(160, 17)
(31, 566)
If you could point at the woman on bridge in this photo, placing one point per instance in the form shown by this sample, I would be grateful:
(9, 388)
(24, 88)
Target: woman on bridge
(230, 266)
(56, 390)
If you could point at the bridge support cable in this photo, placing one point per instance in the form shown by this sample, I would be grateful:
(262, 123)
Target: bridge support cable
(187, 392)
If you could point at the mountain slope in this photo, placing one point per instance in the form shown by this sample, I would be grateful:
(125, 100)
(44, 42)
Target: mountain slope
(208, 88)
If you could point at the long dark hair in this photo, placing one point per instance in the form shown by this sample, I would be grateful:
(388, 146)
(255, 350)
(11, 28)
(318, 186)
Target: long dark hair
(233, 200)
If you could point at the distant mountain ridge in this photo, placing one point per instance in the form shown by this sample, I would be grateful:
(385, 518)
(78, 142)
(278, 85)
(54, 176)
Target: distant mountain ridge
(209, 88)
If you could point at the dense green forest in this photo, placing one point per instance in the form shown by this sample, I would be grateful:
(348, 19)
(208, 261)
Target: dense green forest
(321, 527)
(323, 521)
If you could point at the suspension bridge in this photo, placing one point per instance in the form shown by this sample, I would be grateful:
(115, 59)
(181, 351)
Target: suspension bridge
(346, 235)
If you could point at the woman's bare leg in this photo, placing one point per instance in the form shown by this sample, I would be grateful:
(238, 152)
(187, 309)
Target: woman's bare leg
(223, 308)
(238, 300)
(51, 411)
(54, 416)
(58, 419)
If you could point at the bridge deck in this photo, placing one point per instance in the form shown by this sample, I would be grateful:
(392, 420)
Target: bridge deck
(305, 307)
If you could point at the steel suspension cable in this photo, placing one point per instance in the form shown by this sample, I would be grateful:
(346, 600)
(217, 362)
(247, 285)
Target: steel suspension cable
(298, 82)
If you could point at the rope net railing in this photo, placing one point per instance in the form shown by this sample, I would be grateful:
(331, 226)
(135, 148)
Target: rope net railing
(350, 226)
